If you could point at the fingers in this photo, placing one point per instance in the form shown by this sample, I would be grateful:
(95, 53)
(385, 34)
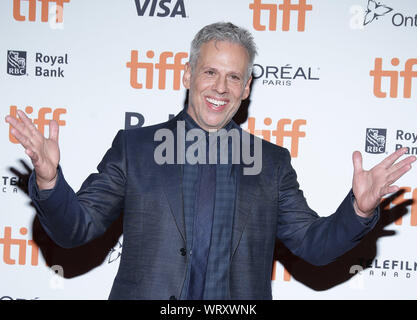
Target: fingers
(53, 130)
(400, 168)
(357, 161)
(389, 161)
(26, 133)
(23, 130)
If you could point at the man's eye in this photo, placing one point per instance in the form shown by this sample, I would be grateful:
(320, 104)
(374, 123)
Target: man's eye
(235, 77)
(210, 72)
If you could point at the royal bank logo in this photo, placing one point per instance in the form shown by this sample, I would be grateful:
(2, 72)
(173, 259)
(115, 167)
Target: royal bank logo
(16, 62)
(375, 140)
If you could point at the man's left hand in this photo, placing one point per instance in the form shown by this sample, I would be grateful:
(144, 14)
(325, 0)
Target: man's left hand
(370, 186)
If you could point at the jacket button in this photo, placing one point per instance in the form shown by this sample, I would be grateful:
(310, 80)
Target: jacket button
(183, 251)
(172, 298)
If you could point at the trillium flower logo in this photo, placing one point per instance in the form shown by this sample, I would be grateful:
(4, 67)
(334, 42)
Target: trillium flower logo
(115, 252)
(375, 10)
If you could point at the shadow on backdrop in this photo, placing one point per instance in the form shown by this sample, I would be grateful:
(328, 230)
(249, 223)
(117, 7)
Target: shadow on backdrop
(74, 261)
(325, 277)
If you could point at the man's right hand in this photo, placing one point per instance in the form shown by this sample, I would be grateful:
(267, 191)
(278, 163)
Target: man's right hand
(43, 152)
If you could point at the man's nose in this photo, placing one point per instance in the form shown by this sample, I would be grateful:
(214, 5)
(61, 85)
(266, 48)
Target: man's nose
(220, 85)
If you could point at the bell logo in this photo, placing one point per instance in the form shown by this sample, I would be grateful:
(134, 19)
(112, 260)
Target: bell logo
(17, 14)
(8, 241)
(162, 66)
(286, 7)
(163, 9)
(40, 121)
(280, 132)
(407, 74)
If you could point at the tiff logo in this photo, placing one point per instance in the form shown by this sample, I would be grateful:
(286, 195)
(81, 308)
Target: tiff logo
(41, 122)
(163, 8)
(400, 199)
(286, 7)
(280, 132)
(162, 66)
(59, 7)
(8, 242)
(393, 75)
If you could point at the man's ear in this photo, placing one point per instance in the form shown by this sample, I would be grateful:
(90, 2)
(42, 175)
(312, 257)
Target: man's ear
(246, 90)
(186, 78)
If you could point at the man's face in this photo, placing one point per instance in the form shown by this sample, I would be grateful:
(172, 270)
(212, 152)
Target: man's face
(217, 85)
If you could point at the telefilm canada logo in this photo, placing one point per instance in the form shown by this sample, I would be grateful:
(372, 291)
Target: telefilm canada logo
(375, 140)
(16, 62)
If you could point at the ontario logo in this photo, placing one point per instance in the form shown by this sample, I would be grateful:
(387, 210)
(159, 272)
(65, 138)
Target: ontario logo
(375, 140)
(16, 62)
(374, 10)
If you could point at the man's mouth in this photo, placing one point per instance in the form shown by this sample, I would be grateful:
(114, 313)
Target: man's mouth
(215, 104)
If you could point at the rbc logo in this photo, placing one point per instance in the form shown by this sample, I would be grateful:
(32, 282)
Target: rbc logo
(16, 62)
(163, 9)
(375, 140)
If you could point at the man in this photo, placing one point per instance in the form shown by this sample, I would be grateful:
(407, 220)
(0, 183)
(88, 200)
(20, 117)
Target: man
(198, 230)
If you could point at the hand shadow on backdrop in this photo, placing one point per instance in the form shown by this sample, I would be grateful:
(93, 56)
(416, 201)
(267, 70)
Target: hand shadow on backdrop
(74, 261)
(321, 278)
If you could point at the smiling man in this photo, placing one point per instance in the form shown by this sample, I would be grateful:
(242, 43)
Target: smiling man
(200, 230)
(218, 81)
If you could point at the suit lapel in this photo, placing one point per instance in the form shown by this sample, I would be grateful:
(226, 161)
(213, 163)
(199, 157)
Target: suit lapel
(172, 174)
(172, 186)
(246, 184)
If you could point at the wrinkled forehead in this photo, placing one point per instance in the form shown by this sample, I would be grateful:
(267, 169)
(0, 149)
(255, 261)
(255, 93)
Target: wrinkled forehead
(223, 54)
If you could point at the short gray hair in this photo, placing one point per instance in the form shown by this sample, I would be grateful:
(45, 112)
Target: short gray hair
(224, 31)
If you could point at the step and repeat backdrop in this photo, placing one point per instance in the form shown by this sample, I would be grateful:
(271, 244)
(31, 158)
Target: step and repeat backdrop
(331, 77)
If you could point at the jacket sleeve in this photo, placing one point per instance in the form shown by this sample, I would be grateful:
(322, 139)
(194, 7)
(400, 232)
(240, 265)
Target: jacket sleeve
(72, 219)
(318, 240)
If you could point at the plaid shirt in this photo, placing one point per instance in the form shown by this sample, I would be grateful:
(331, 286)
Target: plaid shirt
(217, 275)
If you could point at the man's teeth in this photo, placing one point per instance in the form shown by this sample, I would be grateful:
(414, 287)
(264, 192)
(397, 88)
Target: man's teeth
(218, 103)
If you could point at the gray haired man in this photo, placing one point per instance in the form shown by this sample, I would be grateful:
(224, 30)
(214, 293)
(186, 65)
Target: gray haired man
(200, 230)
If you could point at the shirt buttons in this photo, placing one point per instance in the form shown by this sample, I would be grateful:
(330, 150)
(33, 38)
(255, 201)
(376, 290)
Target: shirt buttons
(183, 251)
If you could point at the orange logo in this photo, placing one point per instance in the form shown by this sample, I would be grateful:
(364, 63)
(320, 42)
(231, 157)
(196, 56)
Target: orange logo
(17, 12)
(280, 132)
(400, 199)
(7, 241)
(407, 74)
(162, 66)
(286, 7)
(40, 121)
(286, 275)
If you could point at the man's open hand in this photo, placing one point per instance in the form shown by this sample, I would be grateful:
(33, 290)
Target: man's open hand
(43, 152)
(370, 186)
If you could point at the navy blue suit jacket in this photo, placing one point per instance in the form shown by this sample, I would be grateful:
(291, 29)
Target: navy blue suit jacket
(269, 205)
